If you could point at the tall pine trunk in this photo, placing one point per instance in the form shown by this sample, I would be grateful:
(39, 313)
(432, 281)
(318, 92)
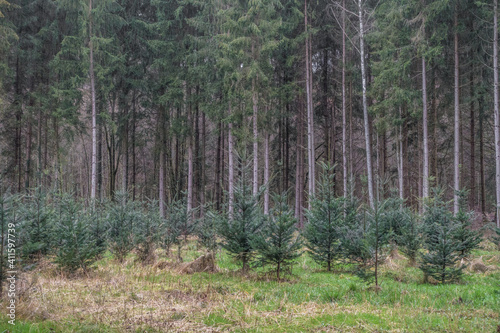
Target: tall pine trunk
(310, 122)
(496, 110)
(94, 113)
(365, 107)
(255, 141)
(425, 134)
(344, 116)
(230, 167)
(456, 174)
(266, 173)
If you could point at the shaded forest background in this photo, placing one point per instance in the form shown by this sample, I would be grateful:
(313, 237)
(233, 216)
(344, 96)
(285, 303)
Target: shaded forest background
(163, 98)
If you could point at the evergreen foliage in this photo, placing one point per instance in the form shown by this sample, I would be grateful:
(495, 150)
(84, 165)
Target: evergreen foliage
(206, 229)
(469, 239)
(38, 227)
(237, 234)
(177, 226)
(325, 218)
(76, 246)
(277, 243)
(121, 219)
(410, 240)
(146, 233)
(443, 248)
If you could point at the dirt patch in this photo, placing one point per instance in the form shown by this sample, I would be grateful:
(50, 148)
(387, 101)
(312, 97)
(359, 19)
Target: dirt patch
(205, 263)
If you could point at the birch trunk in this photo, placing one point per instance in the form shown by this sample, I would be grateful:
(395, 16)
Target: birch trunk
(496, 110)
(365, 108)
(456, 175)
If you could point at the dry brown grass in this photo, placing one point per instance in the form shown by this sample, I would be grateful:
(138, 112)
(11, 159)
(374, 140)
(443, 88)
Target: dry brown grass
(117, 295)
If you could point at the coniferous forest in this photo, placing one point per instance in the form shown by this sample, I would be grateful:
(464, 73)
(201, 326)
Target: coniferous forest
(249, 165)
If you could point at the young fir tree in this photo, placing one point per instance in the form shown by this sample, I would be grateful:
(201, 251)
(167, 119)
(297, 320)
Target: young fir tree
(76, 246)
(496, 238)
(146, 233)
(177, 227)
(122, 216)
(277, 243)
(443, 249)
(469, 239)
(237, 233)
(325, 219)
(410, 240)
(97, 225)
(37, 227)
(206, 229)
(400, 228)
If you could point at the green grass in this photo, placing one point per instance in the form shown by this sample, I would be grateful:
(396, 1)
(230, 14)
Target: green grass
(129, 297)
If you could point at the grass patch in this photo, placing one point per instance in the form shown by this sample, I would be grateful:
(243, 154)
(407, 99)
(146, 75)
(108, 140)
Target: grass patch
(130, 297)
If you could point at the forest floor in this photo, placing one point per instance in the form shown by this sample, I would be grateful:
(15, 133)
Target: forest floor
(130, 297)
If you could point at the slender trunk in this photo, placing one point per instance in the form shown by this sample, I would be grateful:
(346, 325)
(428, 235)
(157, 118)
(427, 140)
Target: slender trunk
(472, 197)
(310, 125)
(217, 169)
(299, 175)
(496, 110)
(399, 149)
(28, 156)
(203, 156)
(266, 174)
(456, 185)
(190, 175)
(125, 154)
(94, 113)
(425, 173)
(39, 139)
(99, 162)
(344, 117)
(134, 170)
(231, 167)
(365, 107)
(255, 141)
(161, 172)
(482, 185)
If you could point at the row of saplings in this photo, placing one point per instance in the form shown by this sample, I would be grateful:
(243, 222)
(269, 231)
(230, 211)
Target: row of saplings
(337, 231)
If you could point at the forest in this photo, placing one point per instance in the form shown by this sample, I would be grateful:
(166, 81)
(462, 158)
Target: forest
(249, 166)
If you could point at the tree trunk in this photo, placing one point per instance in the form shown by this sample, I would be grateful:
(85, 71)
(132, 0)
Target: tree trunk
(399, 150)
(310, 124)
(217, 169)
(425, 134)
(496, 110)
(472, 197)
(231, 167)
(456, 185)
(365, 107)
(94, 113)
(28, 156)
(134, 164)
(255, 141)
(266, 174)
(344, 117)
(482, 185)
(190, 175)
(161, 172)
